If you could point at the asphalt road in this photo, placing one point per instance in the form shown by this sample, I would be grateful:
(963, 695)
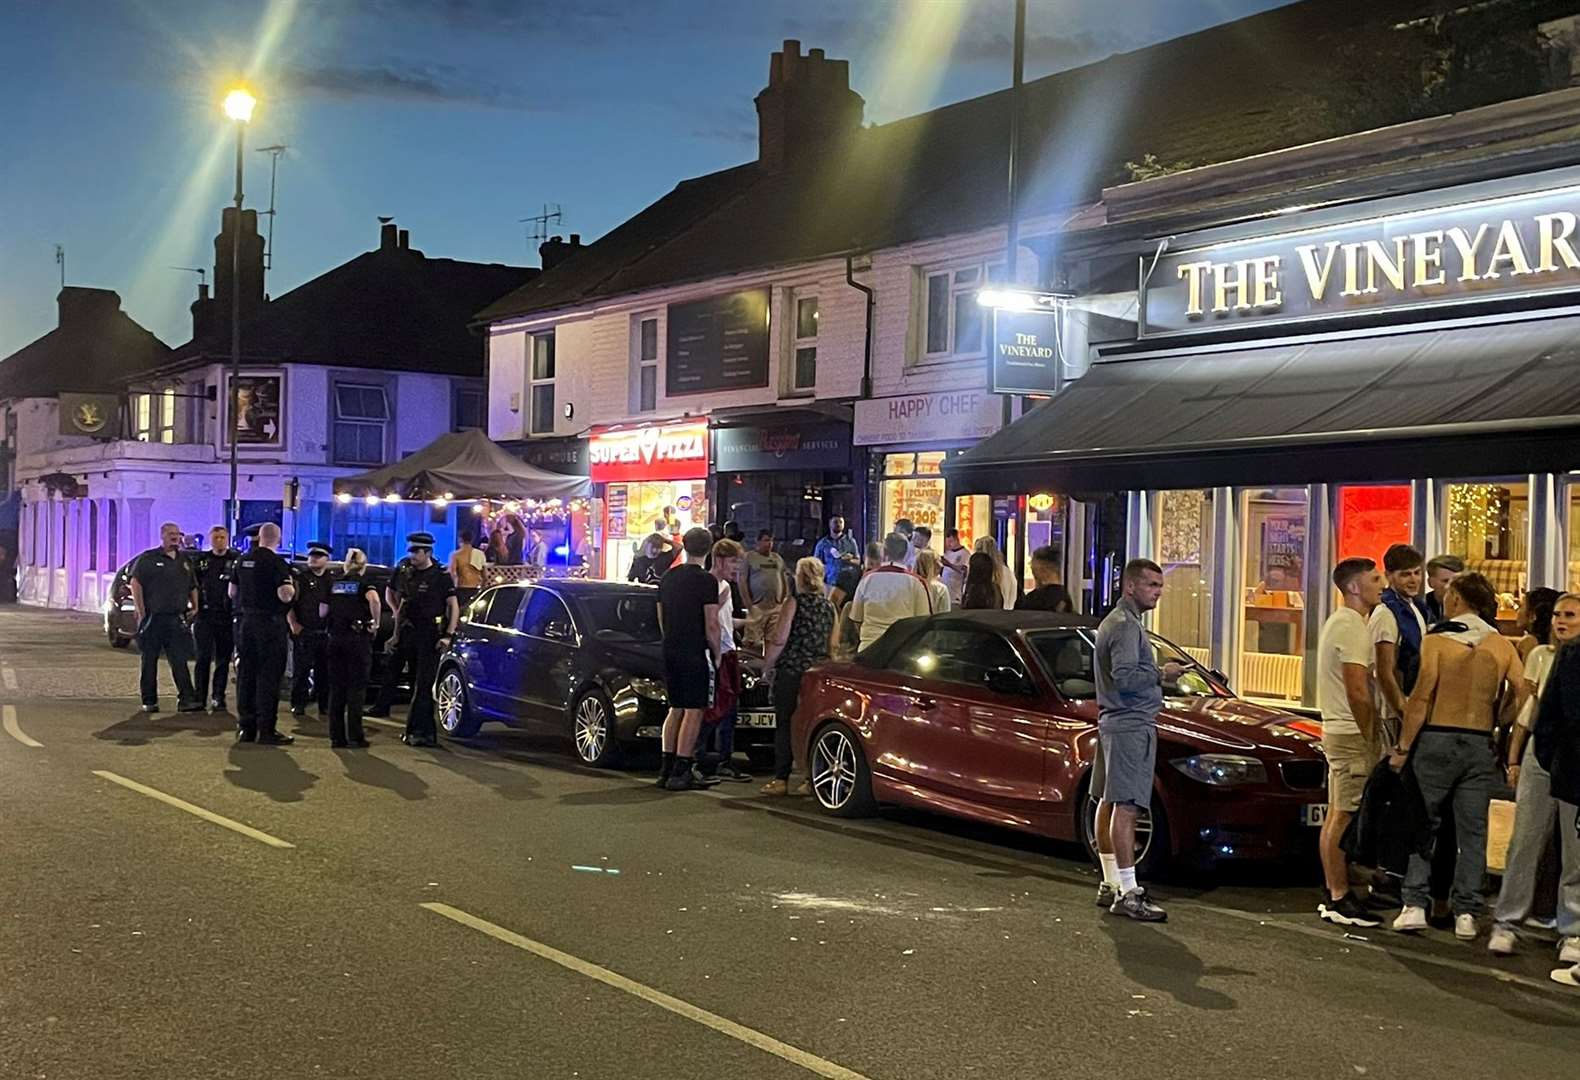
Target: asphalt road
(493, 910)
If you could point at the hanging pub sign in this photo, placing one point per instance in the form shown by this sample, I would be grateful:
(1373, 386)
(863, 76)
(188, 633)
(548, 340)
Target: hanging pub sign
(1025, 351)
(97, 416)
(1492, 248)
(720, 343)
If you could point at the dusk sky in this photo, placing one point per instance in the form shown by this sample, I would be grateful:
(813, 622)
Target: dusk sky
(458, 117)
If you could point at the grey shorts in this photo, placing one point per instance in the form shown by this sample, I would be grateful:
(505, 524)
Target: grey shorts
(1122, 769)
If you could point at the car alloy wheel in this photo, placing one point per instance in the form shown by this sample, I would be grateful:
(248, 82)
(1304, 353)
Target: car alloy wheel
(590, 727)
(834, 771)
(449, 701)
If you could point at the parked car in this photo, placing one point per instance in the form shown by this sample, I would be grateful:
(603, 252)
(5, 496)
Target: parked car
(991, 716)
(578, 658)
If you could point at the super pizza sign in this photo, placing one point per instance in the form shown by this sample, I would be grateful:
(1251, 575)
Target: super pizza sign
(663, 452)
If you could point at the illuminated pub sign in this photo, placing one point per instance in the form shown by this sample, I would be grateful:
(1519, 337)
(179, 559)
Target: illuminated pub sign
(1496, 247)
(659, 452)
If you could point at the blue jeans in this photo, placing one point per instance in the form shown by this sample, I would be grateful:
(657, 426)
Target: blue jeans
(1457, 773)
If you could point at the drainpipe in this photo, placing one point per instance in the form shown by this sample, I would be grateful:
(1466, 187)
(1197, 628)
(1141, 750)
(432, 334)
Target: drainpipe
(859, 474)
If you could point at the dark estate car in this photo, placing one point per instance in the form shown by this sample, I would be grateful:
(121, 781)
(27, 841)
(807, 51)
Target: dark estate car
(992, 716)
(578, 658)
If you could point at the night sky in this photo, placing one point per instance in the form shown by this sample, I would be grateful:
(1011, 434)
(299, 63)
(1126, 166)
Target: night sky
(457, 117)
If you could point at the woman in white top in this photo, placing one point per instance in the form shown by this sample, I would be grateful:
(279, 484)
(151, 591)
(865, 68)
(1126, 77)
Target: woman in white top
(1003, 576)
(928, 567)
(1535, 810)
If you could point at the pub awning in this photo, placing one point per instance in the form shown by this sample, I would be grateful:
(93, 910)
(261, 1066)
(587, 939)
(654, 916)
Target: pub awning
(463, 465)
(1483, 400)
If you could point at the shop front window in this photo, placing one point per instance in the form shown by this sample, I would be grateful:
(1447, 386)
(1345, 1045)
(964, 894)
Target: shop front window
(973, 517)
(1489, 526)
(1184, 550)
(1046, 518)
(1272, 632)
(1372, 518)
(633, 512)
(913, 488)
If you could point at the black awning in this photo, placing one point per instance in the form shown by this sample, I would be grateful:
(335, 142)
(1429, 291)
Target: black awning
(1484, 400)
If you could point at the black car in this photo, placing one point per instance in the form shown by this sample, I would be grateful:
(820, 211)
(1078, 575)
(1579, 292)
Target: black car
(578, 658)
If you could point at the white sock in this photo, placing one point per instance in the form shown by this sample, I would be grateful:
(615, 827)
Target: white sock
(1127, 879)
(1110, 869)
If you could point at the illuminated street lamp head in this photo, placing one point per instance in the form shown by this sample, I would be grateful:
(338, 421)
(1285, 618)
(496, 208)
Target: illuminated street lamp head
(239, 104)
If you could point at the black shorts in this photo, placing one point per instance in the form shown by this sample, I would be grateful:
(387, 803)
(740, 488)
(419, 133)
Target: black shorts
(689, 680)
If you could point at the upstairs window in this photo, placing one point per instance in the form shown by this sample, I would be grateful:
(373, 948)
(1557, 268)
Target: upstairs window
(143, 417)
(803, 374)
(361, 418)
(167, 415)
(469, 410)
(953, 323)
(645, 355)
(542, 383)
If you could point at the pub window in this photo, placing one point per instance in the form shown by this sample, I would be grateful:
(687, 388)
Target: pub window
(1184, 551)
(803, 377)
(542, 395)
(167, 415)
(1273, 602)
(143, 417)
(93, 534)
(954, 323)
(1488, 525)
(644, 359)
(361, 416)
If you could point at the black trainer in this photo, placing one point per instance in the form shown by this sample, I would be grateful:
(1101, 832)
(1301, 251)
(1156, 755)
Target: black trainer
(243, 735)
(190, 706)
(150, 707)
(275, 738)
(1347, 911)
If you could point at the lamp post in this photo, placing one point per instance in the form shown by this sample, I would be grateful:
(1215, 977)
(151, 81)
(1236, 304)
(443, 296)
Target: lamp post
(239, 104)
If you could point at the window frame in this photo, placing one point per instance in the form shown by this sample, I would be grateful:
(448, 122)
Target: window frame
(800, 343)
(141, 407)
(986, 272)
(169, 404)
(459, 392)
(642, 365)
(538, 424)
(337, 421)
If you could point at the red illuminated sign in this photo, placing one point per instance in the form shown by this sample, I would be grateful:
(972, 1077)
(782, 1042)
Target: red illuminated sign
(631, 455)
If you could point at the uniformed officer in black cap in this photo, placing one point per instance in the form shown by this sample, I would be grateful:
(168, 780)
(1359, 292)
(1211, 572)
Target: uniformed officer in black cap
(214, 627)
(310, 642)
(351, 617)
(422, 595)
(262, 593)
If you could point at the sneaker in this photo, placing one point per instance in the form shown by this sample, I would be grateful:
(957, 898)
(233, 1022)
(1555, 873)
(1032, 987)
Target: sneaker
(731, 772)
(1106, 895)
(190, 706)
(1539, 922)
(702, 780)
(217, 705)
(1569, 976)
(1465, 928)
(679, 781)
(1135, 905)
(1569, 951)
(1410, 920)
(1347, 911)
(150, 707)
(1502, 941)
(776, 787)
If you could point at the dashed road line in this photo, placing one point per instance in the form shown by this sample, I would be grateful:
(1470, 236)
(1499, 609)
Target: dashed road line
(8, 677)
(195, 811)
(13, 729)
(766, 1043)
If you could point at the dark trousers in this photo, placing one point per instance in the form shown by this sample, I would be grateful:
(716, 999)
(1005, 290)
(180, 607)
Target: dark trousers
(216, 642)
(260, 667)
(401, 659)
(787, 693)
(423, 641)
(310, 661)
(165, 634)
(350, 659)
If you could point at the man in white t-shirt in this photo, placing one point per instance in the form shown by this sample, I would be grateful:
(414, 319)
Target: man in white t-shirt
(889, 593)
(1346, 696)
(1398, 626)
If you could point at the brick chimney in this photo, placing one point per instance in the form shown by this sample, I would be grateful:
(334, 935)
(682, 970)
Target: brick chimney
(556, 249)
(211, 316)
(81, 306)
(807, 110)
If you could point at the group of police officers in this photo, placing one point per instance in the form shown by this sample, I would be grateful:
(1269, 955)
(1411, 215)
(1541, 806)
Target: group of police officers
(257, 606)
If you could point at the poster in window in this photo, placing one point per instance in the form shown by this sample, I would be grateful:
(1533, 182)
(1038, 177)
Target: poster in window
(1283, 552)
(255, 410)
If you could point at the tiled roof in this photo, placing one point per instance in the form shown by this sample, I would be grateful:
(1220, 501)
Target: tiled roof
(92, 353)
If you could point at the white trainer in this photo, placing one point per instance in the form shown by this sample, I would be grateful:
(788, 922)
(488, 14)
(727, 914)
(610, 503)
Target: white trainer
(1410, 920)
(1569, 951)
(1465, 927)
(1502, 942)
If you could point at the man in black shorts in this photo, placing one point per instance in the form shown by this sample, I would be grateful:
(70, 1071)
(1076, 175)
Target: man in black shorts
(688, 614)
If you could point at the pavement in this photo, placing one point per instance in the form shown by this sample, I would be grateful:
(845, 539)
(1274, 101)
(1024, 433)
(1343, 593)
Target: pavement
(175, 905)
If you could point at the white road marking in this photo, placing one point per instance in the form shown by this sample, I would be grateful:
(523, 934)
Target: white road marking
(8, 677)
(13, 729)
(810, 1062)
(195, 811)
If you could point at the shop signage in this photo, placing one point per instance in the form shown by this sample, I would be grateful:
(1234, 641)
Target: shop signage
(254, 410)
(945, 417)
(720, 343)
(567, 456)
(1523, 245)
(764, 449)
(616, 504)
(1025, 352)
(97, 416)
(670, 452)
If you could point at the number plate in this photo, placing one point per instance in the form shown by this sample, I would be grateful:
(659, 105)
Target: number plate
(1314, 813)
(756, 720)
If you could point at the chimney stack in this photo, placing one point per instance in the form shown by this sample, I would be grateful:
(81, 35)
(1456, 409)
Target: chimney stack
(808, 109)
(555, 250)
(76, 304)
(210, 317)
(388, 236)
(405, 239)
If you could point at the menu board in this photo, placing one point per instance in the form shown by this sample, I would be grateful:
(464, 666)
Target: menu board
(720, 343)
(616, 504)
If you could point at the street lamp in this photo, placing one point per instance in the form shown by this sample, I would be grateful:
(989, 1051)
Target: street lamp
(239, 104)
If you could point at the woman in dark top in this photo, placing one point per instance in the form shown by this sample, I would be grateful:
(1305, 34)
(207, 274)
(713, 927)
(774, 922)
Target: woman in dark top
(981, 591)
(653, 558)
(800, 640)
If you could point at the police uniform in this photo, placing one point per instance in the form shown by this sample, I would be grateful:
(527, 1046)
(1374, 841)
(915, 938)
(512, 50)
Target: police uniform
(399, 663)
(310, 644)
(166, 582)
(350, 629)
(214, 626)
(262, 641)
(424, 618)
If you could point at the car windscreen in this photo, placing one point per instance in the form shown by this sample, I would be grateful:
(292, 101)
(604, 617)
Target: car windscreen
(632, 616)
(1067, 654)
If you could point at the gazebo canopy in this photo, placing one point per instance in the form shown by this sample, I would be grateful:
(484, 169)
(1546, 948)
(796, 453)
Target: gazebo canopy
(463, 465)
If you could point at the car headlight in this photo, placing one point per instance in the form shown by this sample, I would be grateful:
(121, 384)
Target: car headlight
(1222, 770)
(651, 689)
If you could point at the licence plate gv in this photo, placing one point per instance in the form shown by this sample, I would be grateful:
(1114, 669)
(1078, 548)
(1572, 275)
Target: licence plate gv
(756, 720)
(1314, 814)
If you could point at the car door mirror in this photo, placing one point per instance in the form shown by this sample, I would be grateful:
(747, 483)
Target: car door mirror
(1007, 680)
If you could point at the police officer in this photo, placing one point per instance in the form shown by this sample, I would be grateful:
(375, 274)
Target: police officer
(213, 627)
(310, 643)
(164, 593)
(262, 593)
(422, 595)
(351, 618)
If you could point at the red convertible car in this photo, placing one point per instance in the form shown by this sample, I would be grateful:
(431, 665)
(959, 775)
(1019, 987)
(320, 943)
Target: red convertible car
(991, 716)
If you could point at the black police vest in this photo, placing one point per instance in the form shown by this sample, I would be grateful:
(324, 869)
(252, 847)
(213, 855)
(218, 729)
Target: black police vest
(423, 592)
(311, 590)
(259, 574)
(348, 606)
(214, 574)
